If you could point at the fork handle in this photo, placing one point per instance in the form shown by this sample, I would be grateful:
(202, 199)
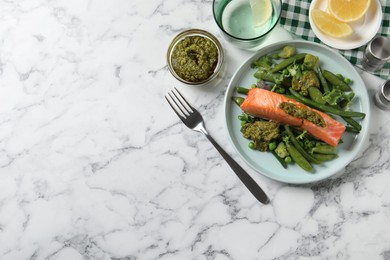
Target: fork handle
(252, 186)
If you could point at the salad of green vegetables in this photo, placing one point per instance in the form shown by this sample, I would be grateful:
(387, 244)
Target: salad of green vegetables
(301, 77)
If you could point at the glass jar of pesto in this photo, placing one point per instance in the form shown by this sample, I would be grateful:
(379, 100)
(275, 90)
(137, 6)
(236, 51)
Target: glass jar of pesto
(195, 57)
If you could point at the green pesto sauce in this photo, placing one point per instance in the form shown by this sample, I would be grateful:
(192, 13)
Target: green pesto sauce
(194, 58)
(303, 113)
(305, 81)
(261, 133)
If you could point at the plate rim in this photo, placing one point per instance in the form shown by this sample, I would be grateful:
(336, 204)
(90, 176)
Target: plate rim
(345, 46)
(227, 103)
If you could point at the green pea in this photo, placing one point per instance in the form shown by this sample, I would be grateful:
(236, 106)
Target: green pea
(287, 159)
(272, 146)
(251, 145)
(281, 90)
(347, 80)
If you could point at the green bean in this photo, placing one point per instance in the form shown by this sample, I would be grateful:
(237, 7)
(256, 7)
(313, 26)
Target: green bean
(336, 81)
(298, 158)
(242, 90)
(238, 100)
(300, 149)
(324, 149)
(323, 81)
(353, 123)
(316, 95)
(351, 129)
(326, 108)
(287, 62)
(281, 160)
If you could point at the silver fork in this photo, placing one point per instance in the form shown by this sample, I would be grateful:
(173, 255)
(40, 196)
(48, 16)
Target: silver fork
(194, 120)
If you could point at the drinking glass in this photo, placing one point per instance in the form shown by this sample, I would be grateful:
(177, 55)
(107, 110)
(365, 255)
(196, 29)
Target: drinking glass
(237, 24)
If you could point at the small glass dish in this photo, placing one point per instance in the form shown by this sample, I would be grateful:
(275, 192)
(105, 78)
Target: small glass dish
(216, 73)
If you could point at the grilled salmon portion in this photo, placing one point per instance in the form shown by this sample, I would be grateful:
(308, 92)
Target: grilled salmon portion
(266, 104)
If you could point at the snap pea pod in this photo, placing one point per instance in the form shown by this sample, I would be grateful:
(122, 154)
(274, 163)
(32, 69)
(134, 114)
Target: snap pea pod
(298, 158)
(238, 100)
(316, 95)
(272, 77)
(324, 149)
(325, 157)
(336, 81)
(323, 81)
(353, 123)
(300, 149)
(325, 108)
(287, 62)
(242, 90)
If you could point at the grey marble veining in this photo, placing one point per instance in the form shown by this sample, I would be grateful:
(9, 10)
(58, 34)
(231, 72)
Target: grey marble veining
(95, 165)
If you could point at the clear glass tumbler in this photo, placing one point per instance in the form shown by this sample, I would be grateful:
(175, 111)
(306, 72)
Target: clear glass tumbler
(237, 24)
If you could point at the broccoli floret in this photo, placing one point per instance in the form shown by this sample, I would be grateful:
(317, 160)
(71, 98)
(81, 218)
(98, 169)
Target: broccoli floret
(263, 62)
(303, 82)
(310, 61)
(281, 150)
(287, 52)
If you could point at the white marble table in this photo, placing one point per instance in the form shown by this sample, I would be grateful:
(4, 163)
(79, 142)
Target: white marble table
(95, 165)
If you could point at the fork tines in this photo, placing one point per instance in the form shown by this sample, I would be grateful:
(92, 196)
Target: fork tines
(179, 104)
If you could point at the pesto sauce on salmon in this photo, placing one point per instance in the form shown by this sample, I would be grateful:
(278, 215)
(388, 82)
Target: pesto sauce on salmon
(303, 113)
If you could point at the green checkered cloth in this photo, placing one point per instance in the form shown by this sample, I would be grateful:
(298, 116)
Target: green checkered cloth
(295, 19)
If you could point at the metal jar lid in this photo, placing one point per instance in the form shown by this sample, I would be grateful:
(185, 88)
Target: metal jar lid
(382, 96)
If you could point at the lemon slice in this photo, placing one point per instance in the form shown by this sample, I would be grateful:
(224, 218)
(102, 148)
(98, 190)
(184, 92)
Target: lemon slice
(348, 10)
(330, 25)
(261, 11)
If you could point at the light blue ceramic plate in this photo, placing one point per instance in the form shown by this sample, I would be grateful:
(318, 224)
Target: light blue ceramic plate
(264, 162)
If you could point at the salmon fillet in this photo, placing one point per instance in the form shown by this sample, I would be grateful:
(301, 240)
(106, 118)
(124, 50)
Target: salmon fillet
(265, 104)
